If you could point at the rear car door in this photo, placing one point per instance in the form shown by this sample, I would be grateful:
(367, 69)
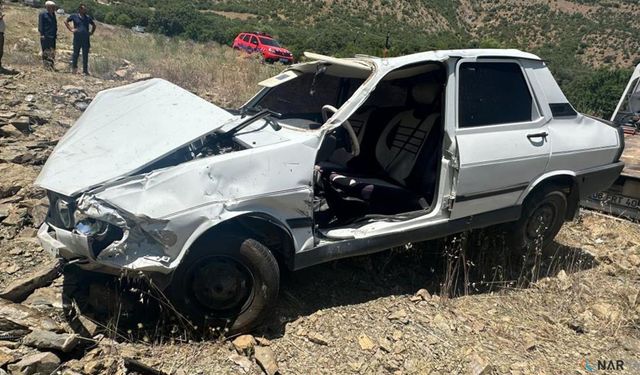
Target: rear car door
(245, 41)
(241, 41)
(501, 134)
(253, 45)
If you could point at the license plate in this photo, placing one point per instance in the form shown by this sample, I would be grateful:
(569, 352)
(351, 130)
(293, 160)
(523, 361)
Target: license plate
(619, 200)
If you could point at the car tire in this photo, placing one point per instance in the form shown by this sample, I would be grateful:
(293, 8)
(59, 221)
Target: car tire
(546, 208)
(229, 284)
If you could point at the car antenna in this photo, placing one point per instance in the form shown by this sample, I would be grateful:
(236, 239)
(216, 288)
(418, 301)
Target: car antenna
(387, 45)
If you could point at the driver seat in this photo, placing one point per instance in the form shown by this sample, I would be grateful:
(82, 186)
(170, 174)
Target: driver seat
(398, 151)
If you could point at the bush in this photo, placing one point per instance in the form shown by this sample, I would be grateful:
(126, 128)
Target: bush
(598, 93)
(124, 20)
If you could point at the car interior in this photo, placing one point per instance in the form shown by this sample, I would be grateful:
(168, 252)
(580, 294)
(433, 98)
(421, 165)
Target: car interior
(384, 160)
(391, 165)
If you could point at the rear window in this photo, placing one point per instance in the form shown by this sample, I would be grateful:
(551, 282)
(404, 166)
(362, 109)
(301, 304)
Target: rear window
(493, 93)
(245, 37)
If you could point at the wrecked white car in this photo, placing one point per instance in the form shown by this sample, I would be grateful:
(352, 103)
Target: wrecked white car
(332, 158)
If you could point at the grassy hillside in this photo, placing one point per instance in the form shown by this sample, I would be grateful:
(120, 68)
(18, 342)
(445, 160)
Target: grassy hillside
(597, 32)
(584, 41)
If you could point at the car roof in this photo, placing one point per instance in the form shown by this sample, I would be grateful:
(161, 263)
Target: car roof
(468, 53)
(438, 55)
(258, 33)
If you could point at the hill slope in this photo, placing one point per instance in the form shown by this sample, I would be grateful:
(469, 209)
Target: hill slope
(582, 39)
(598, 32)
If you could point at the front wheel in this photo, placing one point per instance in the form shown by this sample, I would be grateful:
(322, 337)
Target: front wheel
(229, 284)
(542, 217)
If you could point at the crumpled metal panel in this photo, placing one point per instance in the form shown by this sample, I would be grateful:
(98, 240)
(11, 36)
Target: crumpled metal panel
(125, 129)
(163, 212)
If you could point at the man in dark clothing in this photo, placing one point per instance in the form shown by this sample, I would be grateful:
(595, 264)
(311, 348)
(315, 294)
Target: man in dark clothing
(2, 27)
(48, 28)
(81, 37)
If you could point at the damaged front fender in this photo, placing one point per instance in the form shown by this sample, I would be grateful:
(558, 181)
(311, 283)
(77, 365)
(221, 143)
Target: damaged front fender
(162, 213)
(143, 242)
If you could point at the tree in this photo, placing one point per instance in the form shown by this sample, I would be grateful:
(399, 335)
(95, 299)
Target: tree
(598, 93)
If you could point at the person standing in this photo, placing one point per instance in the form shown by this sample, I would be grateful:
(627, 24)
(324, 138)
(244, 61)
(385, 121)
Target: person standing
(2, 27)
(48, 28)
(81, 37)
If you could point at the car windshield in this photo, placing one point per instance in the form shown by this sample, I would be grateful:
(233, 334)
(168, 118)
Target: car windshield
(269, 42)
(299, 99)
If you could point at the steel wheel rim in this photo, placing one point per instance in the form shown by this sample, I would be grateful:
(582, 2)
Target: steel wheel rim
(221, 284)
(541, 221)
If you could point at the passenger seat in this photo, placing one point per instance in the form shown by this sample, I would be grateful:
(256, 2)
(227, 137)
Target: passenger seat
(397, 151)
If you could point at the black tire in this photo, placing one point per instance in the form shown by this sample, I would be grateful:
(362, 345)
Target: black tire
(228, 284)
(542, 216)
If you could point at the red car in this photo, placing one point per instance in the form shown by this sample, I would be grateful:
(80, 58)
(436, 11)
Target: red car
(265, 44)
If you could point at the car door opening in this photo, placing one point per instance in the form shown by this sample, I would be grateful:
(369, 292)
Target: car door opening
(399, 131)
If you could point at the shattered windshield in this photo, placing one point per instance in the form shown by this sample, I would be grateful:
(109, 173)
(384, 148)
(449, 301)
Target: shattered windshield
(302, 98)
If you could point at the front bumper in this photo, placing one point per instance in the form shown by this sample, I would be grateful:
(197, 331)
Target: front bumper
(76, 248)
(276, 57)
(70, 246)
(127, 254)
(63, 243)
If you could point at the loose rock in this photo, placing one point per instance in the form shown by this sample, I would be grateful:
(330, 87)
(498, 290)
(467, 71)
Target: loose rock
(242, 361)
(14, 178)
(15, 316)
(365, 342)
(266, 358)
(40, 339)
(400, 315)
(6, 356)
(244, 344)
(479, 366)
(20, 289)
(22, 123)
(41, 363)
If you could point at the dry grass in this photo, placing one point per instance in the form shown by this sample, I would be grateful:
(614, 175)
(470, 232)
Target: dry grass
(226, 76)
(218, 73)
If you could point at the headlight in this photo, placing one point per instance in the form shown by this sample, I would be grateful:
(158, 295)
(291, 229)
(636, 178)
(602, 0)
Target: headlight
(92, 227)
(271, 50)
(89, 226)
(64, 213)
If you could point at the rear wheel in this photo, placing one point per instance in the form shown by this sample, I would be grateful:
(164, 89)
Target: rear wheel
(230, 284)
(542, 217)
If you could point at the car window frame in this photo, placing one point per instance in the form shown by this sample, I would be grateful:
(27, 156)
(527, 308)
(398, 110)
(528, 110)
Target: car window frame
(251, 38)
(535, 122)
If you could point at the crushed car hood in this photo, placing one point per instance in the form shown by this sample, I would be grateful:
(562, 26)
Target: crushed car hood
(125, 129)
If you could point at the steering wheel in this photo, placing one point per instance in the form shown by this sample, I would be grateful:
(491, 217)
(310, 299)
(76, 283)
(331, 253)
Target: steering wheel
(355, 144)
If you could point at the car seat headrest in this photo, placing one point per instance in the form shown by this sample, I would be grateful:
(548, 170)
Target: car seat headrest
(425, 92)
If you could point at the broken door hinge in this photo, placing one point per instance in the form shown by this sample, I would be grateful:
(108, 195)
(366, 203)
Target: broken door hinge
(450, 200)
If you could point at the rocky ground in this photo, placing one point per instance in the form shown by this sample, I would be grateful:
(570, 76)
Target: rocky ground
(387, 313)
(451, 306)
